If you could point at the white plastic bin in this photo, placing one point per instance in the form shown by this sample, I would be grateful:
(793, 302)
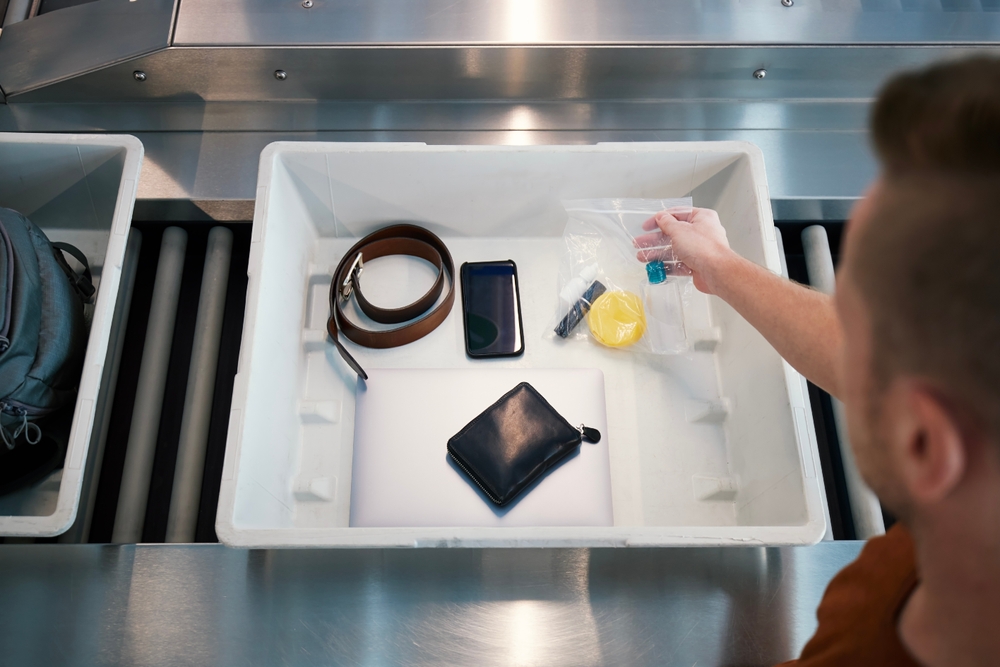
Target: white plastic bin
(79, 189)
(716, 447)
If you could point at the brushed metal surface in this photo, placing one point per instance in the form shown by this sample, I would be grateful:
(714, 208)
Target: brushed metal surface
(816, 151)
(223, 165)
(206, 112)
(436, 115)
(69, 42)
(183, 605)
(433, 49)
(270, 23)
(226, 74)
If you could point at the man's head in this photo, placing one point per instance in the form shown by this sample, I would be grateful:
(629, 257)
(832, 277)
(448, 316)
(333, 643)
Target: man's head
(919, 291)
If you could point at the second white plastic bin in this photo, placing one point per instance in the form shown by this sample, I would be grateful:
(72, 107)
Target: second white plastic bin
(79, 189)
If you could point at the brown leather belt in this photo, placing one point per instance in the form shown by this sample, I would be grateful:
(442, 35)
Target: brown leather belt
(394, 240)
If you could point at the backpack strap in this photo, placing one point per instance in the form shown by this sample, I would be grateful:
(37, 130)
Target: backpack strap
(32, 433)
(83, 284)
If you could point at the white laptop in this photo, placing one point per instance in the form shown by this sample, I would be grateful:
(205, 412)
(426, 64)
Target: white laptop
(402, 475)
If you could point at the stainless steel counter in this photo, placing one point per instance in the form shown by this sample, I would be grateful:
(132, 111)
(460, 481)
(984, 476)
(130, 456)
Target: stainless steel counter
(206, 84)
(210, 605)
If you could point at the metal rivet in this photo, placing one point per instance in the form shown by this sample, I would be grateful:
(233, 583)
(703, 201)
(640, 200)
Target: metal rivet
(139, 75)
(760, 74)
(307, 3)
(280, 75)
(787, 3)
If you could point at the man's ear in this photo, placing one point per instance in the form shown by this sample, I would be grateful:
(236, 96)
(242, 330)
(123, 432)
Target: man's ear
(929, 444)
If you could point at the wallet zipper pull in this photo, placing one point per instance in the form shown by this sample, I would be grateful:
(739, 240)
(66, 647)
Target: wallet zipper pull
(591, 435)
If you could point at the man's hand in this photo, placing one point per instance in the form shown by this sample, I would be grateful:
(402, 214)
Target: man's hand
(800, 323)
(698, 239)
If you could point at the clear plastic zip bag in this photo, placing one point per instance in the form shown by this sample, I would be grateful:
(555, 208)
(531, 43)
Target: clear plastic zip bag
(619, 284)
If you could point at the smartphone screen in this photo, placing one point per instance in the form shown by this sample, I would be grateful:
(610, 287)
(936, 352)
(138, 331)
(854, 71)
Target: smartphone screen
(492, 309)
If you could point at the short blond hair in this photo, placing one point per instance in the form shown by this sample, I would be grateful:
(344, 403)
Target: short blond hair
(928, 264)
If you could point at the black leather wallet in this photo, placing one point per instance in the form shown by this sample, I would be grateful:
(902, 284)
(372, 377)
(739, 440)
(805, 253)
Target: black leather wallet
(515, 441)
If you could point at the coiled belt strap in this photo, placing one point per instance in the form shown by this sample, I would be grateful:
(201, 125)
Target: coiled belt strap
(394, 240)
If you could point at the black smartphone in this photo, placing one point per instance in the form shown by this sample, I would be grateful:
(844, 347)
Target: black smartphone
(491, 306)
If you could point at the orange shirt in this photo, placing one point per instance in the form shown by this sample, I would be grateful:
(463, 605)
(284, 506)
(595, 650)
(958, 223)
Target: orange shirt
(859, 612)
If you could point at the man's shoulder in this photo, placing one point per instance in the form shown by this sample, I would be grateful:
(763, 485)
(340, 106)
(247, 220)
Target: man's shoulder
(857, 616)
(884, 564)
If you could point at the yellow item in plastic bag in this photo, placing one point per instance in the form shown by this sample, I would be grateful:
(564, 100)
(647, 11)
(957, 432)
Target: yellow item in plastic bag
(617, 318)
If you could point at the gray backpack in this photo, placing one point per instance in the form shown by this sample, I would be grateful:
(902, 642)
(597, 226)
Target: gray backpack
(43, 328)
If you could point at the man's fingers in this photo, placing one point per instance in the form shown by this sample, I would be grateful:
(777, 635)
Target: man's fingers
(665, 221)
(682, 213)
(670, 215)
(652, 254)
(654, 240)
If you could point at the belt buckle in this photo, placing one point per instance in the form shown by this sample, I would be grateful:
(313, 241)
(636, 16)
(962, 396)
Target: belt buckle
(348, 286)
